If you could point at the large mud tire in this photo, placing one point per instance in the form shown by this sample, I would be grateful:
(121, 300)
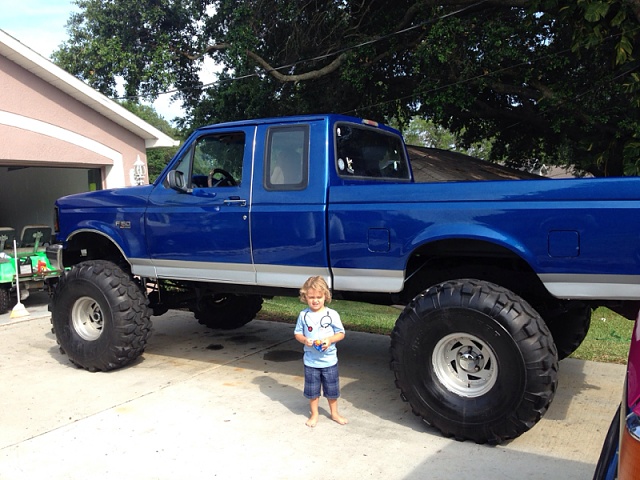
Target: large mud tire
(100, 316)
(474, 360)
(5, 300)
(226, 311)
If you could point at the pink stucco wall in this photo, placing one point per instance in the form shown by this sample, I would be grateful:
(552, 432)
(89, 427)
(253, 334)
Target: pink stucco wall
(67, 133)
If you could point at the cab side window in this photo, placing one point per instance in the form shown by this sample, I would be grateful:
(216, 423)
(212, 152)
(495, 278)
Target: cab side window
(213, 161)
(287, 158)
(217, 160)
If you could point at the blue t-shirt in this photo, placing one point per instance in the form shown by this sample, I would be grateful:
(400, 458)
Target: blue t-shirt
(316, 326)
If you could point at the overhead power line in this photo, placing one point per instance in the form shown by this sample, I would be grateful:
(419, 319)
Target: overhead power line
(324, 56)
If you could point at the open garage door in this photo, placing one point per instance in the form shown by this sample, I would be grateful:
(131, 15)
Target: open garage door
(28, 193)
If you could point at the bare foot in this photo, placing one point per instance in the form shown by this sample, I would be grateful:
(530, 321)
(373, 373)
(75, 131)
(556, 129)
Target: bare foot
(312, 422)
(339, 419)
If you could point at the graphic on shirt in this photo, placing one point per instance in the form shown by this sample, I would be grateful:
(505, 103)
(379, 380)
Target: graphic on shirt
(325, 321)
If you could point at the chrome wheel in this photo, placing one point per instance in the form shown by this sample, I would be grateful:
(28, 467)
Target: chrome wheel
(87, 318)
(465, 365)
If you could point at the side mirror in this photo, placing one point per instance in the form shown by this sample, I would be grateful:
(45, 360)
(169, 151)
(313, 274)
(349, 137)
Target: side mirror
(175, 179)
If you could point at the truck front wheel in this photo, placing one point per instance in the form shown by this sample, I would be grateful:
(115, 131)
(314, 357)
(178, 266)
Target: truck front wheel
(100, 316)
(474, 360)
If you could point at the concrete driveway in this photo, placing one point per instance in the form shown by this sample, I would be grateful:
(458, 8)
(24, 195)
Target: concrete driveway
(203, 404)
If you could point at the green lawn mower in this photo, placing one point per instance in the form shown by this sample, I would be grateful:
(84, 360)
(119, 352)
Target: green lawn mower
(27, 256)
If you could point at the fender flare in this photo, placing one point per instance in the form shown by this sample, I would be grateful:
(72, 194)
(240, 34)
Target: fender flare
(109, 235)
(462, 231)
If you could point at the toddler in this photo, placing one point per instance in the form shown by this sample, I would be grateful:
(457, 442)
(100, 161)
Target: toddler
(319, 328)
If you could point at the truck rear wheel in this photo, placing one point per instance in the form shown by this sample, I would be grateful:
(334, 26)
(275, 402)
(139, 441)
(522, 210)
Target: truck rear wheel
(100, 316)
(474, 360)
(227, 311)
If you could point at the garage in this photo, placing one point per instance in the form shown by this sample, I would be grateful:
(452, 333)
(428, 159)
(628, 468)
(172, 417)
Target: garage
(59, 136)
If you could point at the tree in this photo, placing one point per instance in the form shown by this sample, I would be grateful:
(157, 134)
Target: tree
(546, 80)
(425, 133)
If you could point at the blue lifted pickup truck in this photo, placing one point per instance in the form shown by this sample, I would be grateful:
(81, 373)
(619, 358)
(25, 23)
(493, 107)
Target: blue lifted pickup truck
(498, 278)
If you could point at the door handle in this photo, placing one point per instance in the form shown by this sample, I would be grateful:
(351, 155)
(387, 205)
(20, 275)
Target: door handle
(235, 201)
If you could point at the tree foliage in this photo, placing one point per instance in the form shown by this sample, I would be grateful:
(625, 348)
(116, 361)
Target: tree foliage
(550, 80)
(425, 133)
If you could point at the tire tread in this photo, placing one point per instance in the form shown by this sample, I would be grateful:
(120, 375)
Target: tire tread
(527, 329)
(129, 311)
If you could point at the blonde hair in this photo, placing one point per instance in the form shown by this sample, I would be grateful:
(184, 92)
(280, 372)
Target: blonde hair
(318, 284)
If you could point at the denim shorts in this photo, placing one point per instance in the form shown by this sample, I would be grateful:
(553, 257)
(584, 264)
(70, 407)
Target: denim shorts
(326, 377)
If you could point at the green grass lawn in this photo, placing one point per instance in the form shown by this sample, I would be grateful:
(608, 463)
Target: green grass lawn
(607, 341)
(608, 338)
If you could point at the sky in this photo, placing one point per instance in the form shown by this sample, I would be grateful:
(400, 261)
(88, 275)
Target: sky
(40, 25)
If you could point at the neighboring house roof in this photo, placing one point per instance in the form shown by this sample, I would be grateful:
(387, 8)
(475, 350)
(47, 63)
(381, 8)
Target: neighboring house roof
(436, 165)
(74, 87)
(563, 172)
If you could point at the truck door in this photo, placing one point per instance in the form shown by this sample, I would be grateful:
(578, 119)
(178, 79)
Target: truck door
(197, 222)
(288, 230)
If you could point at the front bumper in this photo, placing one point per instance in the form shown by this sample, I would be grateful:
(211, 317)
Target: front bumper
(54, 255)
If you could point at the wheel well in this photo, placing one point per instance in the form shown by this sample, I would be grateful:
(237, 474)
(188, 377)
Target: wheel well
(465, 258)
(93, 246)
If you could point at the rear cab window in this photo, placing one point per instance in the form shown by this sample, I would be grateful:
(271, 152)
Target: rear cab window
(369, 153)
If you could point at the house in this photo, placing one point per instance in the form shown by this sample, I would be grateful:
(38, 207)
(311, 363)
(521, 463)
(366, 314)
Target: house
(59, 136)
(436, 165)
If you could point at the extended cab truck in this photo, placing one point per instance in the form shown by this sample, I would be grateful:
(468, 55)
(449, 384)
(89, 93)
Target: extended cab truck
(498, 277)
